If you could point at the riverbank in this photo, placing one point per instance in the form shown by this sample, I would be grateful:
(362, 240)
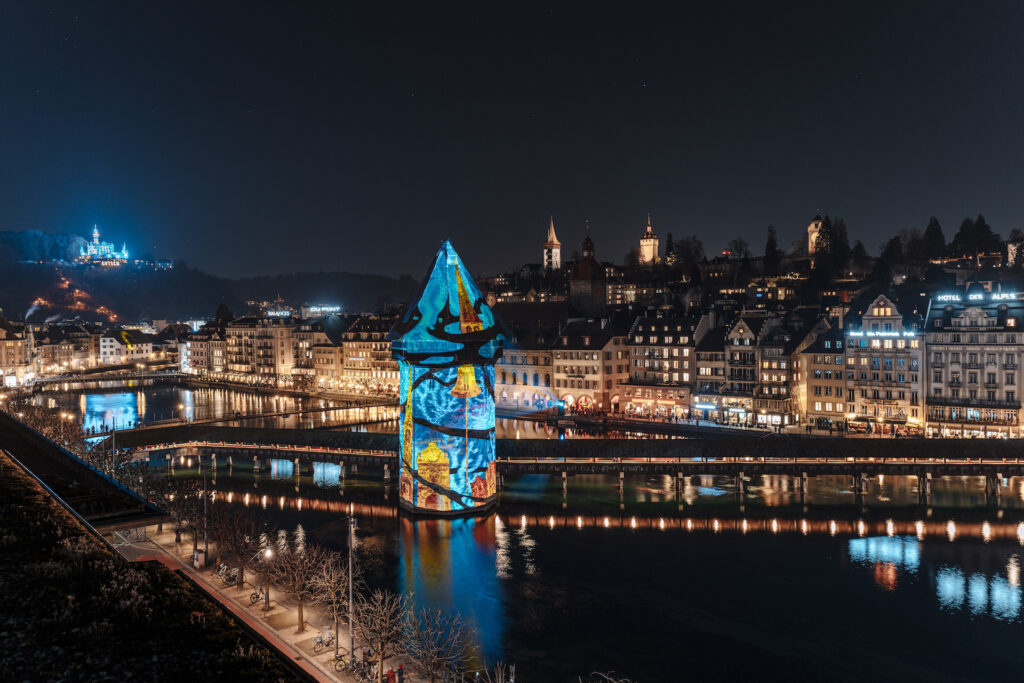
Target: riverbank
(71, 609)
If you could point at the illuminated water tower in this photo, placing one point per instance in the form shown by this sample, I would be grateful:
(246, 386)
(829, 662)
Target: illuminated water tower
(446, 344)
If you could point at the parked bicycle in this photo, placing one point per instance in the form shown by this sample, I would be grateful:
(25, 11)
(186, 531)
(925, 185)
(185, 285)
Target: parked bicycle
(323, 641)
(257, 595)
(228, 575)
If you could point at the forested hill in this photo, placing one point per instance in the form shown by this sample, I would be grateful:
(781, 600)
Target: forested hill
(178, 294)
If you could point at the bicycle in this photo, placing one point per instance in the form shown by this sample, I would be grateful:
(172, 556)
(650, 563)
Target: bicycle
(257, 595)
(320, 641)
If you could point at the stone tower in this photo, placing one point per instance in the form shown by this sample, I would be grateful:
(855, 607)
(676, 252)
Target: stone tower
(446, 344)
(552, 249)
(648, 245)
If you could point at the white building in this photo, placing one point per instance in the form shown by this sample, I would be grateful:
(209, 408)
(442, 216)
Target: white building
(121, 347)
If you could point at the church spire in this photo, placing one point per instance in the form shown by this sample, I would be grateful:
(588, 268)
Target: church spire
(552, 238)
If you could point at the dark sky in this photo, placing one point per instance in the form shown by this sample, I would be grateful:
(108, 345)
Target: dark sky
(254, 139)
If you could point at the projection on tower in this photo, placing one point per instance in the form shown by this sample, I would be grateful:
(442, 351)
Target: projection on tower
(446, 345)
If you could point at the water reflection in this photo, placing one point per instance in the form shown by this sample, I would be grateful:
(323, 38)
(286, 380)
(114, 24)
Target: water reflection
(599, 581)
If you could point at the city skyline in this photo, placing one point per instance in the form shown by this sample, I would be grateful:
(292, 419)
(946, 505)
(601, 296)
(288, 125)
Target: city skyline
(335, 126)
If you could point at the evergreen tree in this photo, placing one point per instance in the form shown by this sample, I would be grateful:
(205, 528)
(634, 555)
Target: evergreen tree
(839, 249)
(823, 242)
(224, 315)
(772, 253)
(671, 257)
(933, 244)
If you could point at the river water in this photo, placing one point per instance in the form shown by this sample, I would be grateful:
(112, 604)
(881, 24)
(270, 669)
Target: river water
(120, 405)
(696, 584)
(655, 583)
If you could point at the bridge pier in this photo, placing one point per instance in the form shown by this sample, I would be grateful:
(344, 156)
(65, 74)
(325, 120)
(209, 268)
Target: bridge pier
(355, 469)
(565, 484)
(741, 486)
(230, 464)
(924, 487)
(255, 464)
(341, 474)
(387, 473)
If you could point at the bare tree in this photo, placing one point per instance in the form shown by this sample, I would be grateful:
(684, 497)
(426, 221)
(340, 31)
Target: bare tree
(438, 644)
(330, 589)
(380, 618)
(239, 530)
(294, 565)
(500, 673)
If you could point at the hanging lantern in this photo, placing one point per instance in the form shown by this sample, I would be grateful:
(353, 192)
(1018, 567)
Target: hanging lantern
(465, 384)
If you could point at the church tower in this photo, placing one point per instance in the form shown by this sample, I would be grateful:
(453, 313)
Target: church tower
(648, 246)
(552, 249)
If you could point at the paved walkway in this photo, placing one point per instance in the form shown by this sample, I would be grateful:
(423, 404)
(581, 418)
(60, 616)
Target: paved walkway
(278, 624)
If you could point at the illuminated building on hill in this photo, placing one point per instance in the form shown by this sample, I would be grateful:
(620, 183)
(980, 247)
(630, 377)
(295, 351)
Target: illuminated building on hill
(102, 253)
(446, 345)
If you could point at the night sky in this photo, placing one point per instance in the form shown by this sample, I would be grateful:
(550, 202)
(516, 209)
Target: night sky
(334, 136)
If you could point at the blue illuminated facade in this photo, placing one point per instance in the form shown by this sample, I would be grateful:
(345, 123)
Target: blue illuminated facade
(446, 344)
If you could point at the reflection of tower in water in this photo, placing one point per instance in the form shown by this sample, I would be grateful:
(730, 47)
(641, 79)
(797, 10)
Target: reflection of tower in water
(452, 564)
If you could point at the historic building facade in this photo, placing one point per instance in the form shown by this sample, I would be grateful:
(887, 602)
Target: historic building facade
(662, 367)
(884, 366)
(974, 349)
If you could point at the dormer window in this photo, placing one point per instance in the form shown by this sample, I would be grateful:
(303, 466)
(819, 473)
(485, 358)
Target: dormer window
(586, 341)
(565, 341)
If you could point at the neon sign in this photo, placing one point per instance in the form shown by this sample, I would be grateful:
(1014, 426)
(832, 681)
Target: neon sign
(978, 296)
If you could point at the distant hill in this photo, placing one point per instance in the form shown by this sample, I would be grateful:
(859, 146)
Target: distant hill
(36, 245)
(177, 294)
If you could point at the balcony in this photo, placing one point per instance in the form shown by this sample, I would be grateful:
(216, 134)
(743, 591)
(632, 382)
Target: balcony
(972, 366)
(938, 364)
(991, 385)
(642, 382)
(972, 402)
(1009, 366)
(954, 382)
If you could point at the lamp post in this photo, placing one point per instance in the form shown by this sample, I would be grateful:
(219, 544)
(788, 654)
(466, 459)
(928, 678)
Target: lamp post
(351, 605)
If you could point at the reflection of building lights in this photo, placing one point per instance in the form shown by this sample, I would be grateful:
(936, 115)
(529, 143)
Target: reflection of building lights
(522, 521)
(551, 522)
(861, 529)
(579, 522)
(890, 528)
(986, 532)
(606, 523)
(247, 499)
(919, 528)
(832, 528)
(661, 523)
(803, 526)
(716, 526)
(743, 526)
(775, 526)
(632, 523)
(951, 530)
(1013, 571)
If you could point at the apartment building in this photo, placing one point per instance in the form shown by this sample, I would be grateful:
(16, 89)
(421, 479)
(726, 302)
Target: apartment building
(973, 378)
(821, 399)
(260, 350)
(124, 347)
(662, 367)
(884, 365)
(590, 360)
(523, 376)
(368, 365)
(15, 356)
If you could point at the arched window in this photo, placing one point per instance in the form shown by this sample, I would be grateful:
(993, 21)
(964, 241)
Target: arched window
(504, 378)
(526, 380)
(513, 378)
(536, 379)
(547, 380)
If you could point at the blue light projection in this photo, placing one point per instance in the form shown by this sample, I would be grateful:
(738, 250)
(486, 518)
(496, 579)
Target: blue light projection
(326, 475)
(902, 551)
(282, 468)
(446, 345)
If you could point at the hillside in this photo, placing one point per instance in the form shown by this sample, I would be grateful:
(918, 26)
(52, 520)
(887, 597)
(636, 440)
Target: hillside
(132, 294)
